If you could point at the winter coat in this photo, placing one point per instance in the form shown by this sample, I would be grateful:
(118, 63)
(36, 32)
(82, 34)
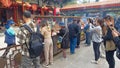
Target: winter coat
(9, 36)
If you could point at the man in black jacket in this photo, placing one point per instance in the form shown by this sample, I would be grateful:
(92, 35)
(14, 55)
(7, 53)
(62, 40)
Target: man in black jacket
(73, 32)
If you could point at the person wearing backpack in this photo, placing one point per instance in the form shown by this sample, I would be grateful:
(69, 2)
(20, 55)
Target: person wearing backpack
(24, 36)
(48, 47)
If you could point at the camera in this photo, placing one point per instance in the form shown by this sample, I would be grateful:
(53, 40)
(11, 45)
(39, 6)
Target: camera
(111, 25)
(112, 28)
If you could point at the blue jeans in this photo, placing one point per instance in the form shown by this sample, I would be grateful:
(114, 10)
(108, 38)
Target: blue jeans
(88, 38)
(73, 43)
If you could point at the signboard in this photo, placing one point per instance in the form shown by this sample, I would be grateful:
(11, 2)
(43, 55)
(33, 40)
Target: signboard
(94, 14)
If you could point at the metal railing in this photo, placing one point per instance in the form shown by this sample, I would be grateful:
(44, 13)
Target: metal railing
(13, 58)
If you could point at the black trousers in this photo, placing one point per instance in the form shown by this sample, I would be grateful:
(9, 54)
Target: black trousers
(96, 48)
(78, 39)
(110, 58)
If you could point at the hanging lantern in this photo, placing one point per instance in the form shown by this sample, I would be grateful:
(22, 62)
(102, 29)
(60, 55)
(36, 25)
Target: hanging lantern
(50, 11)
(45, 8)
(57, 10)
(6, 3)
(27, 5)
(34, 7)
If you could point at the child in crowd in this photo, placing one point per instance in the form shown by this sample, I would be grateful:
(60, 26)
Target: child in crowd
(9, 35)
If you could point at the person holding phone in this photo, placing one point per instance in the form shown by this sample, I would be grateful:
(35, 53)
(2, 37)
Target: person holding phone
(110, 46)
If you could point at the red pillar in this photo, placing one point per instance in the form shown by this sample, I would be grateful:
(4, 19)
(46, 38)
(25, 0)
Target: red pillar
(54, 12)
(15, 14)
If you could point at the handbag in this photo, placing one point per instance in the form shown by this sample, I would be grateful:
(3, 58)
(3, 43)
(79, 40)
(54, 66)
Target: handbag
(59, 42)
(60, 39)
(110, 45)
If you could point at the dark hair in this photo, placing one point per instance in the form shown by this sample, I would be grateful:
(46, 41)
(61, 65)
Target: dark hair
(43, 23)
(78, 21)
(27, 14)
(74, 20)
(100, 21)
(90, 20)
(108, 17)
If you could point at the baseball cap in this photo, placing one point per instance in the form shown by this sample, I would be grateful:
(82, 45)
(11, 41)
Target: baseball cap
(9, 22)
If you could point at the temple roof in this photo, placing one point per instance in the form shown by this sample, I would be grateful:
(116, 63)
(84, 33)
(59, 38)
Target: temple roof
(94, 4)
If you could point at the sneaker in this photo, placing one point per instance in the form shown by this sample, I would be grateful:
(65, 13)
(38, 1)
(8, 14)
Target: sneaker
(87, 45)
(51, 63)
(103, 56)
(46, 66)
(95, 62)
(72, 53)
(77, 46)
(66, 58)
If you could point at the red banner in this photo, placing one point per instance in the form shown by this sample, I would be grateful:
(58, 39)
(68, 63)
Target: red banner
(6, 3)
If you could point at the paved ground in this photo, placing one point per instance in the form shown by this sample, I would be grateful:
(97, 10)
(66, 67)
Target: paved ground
(81, 59)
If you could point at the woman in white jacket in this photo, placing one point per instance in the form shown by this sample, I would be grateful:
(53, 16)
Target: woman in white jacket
(96, 39)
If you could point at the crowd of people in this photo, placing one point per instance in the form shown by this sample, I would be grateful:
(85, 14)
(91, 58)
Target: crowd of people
(102, 31)
(97, 31)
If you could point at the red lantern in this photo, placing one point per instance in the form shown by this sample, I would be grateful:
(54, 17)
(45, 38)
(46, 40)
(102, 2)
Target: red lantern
(57, 9)
(50, 11)
(34, 7)
(6, 3)
(45, 8)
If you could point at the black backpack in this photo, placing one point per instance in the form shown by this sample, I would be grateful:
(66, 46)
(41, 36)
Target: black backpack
(35, 42)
